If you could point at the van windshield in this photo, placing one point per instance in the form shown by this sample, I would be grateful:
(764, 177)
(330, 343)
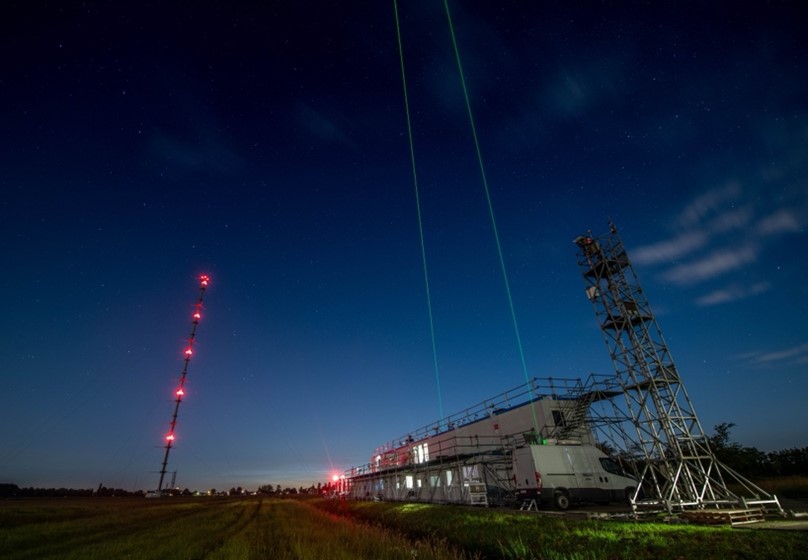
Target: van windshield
(610, 466)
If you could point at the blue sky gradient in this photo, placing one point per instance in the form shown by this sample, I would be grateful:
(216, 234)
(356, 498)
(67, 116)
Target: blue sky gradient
(145, 144)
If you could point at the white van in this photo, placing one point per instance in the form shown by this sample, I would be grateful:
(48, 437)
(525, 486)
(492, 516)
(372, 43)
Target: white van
(561, 474)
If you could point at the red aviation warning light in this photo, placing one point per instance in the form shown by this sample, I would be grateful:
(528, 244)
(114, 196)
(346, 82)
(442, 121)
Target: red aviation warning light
(204, 280)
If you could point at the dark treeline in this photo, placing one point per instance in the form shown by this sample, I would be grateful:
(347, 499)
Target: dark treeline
(753, 463)
(8, 490)
(12, 490)
(321, 488)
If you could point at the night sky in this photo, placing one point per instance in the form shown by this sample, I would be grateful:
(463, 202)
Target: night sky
(141, 146)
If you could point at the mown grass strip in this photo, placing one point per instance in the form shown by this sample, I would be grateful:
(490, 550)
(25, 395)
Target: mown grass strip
(293, 530)
(505, 534)
(125, 529)
(219, 529)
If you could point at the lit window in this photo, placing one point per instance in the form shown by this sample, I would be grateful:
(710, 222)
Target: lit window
(420, 453)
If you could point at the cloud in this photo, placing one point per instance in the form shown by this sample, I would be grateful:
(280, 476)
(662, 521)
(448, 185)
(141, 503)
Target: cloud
(781, 221)
(707, 203)
(723, 230)
(670, 249)
(484, 57)
(732, 293)
(571, 94)
(714, 264)
(196, 141)
(316, 124)
(731, 220)
(702, 219)
(799, 352)
(727, 229)
(207, 152)
(791, 356)
(576, 90)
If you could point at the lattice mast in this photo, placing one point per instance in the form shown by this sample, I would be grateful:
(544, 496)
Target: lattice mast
(204, 280)
(674, 463)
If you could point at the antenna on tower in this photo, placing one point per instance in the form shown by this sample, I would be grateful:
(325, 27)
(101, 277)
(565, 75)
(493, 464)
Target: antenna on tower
(204, 280)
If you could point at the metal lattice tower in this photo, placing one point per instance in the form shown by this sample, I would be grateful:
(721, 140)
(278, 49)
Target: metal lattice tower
(669, 451)
(204, 280)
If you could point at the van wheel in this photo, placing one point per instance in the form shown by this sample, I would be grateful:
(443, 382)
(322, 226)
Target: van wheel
(561, 501)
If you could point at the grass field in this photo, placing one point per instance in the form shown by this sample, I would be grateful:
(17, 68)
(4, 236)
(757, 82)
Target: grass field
(261, 528)
(497, 533)
(213, 528)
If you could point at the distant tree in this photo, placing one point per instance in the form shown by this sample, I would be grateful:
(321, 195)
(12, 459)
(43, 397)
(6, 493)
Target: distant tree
(278, 489)
(8, 490)
(789, 462)
(606, 448)
(720, 439)
(747, 461)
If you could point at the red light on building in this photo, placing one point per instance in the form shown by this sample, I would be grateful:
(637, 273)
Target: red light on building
(204, 279)
(180, 392)
(170, 437)
(188, 352)
(197, 316)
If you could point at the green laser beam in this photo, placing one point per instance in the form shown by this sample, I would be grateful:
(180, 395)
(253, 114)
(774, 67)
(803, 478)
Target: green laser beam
(490, 205)
(418, 208)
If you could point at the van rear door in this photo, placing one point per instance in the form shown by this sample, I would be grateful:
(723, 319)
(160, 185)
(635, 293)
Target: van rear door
(524, 473)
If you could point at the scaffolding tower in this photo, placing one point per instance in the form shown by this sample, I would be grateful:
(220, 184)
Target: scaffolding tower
(658, 434)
